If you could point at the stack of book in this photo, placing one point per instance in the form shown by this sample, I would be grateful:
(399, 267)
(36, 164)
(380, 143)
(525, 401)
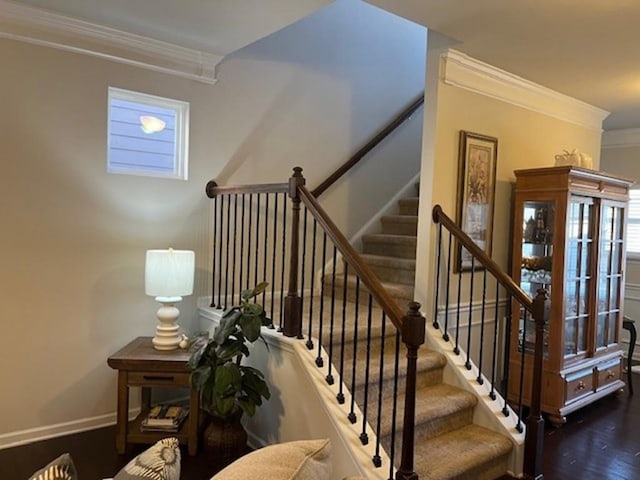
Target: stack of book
(164, 418)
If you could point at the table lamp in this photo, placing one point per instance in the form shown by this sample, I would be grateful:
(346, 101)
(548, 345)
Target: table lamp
(168, 277)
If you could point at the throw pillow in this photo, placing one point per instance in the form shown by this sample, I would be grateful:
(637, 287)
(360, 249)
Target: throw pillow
(62, 468)
(161, 461)
(299, 460)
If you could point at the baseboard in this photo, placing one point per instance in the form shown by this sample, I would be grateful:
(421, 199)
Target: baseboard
(23, 437)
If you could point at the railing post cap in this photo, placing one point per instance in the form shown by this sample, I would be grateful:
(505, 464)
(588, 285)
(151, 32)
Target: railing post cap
(435, 213)
(414, 308)
(297, 171)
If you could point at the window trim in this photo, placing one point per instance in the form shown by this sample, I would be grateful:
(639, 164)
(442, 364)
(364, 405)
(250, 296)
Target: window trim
(181, 154)
(633, 256)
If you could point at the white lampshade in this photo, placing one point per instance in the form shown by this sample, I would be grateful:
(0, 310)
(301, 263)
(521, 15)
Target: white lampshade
(169, 273)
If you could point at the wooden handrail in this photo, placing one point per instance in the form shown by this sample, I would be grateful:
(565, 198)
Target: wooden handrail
(505, 280)
(359, 155)
(212, 189)
(365, 273)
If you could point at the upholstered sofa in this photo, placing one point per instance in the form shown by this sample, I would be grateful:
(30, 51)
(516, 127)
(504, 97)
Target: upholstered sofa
(299, 460)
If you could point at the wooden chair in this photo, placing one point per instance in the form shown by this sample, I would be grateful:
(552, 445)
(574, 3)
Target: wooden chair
(630, 324)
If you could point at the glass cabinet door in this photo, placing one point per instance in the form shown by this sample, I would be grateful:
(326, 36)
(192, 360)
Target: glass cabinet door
(610, 273)
(580, 229)
(536, 264)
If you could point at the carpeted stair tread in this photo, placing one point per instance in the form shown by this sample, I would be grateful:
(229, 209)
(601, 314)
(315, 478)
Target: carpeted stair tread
(440, 409)
(469, 453)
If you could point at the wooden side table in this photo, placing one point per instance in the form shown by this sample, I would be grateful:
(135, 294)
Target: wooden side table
(140, 365)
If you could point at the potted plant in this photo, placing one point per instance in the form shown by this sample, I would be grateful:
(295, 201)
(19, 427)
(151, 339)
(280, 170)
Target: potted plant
(227, 388)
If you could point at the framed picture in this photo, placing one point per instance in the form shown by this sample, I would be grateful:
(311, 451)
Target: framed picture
(476, 193)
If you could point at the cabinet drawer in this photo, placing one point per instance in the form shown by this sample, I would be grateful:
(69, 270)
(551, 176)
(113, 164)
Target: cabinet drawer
(578, 384)
(608, 373)
(158, 379)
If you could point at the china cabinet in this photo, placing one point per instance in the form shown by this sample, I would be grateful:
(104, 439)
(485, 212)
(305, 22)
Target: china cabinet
(568, 238)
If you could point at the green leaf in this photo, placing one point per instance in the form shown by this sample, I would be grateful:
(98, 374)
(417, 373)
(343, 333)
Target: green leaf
(247, 406)
(199, 377)
(196, 357)
(224, 406)
(253, 309)
(250, 326)
(227, 325)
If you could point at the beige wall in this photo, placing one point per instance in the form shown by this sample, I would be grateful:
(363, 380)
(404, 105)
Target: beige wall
(526, 139)
(73, 237)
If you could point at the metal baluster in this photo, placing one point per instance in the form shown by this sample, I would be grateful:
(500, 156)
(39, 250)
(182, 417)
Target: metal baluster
(215, 243)
(456, 349)
(340, 396)
(507, 370)
(284, 254)
(352, 415)
(222, 247)
(445, 335)
(480, 379)
(494, 360)
(329, 377)
(437, 283)
(394, 408)
(377, 460)
(235, 243)
(249, 222)
(257, 262)
(519, 427)
(266, 242)
(226, 283)
(242, 223)
(273, 257)
(302, 269)
(467, 364)
(319, 362)
(364, 438)
(313, 281)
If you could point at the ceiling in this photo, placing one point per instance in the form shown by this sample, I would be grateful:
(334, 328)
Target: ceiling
(582, 48)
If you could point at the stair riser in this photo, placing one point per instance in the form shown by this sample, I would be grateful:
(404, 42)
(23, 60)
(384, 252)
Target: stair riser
(427, 378)
(390, 249)
(394, 275)
(408, 207)
(399, 228)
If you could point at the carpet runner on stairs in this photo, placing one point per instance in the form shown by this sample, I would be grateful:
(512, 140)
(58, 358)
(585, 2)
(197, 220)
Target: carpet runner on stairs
(448, 444)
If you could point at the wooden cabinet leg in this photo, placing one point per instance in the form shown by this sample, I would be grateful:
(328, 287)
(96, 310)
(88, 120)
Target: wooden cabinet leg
(194, 423)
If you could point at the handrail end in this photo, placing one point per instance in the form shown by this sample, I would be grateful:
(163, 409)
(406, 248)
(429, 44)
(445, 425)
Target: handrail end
(211, 185)
(435, 213)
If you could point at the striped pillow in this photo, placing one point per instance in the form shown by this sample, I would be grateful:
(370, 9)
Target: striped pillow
(62, 468)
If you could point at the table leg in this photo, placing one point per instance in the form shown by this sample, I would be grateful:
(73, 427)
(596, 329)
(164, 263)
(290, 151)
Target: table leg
(122, 412)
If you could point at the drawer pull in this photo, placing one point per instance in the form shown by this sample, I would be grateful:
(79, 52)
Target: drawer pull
(155, 378)
(581, 386)
(610, 374)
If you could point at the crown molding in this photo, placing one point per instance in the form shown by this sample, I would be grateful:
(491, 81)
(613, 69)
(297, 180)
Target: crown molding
(463, 71)
(628, 137)
(41, 27)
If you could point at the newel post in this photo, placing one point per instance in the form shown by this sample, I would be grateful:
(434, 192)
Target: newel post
(413, 333)
(293, 302)
(534, 439)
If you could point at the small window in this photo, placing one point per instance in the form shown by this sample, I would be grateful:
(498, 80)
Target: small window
(147, 135)
(633, 224)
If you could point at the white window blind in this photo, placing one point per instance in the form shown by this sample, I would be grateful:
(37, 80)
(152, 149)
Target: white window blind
(633, 225)
(147, 135)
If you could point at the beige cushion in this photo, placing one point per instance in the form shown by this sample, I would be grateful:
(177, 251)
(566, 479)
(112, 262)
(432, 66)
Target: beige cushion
(300, 460)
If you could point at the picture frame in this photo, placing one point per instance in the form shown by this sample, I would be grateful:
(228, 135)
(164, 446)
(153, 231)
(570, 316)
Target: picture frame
(477, 160)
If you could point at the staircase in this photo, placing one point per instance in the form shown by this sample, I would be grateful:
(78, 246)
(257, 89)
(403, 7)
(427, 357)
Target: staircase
(448, 444)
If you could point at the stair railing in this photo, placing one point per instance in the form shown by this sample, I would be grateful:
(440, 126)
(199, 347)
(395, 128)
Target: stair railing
(333, 301)
(476, 355)
(370, 145)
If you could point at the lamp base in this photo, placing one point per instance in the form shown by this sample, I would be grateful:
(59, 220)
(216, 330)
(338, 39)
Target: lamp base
(167, 337)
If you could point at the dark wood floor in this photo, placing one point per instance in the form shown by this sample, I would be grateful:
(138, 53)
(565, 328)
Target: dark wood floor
(599, 442)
